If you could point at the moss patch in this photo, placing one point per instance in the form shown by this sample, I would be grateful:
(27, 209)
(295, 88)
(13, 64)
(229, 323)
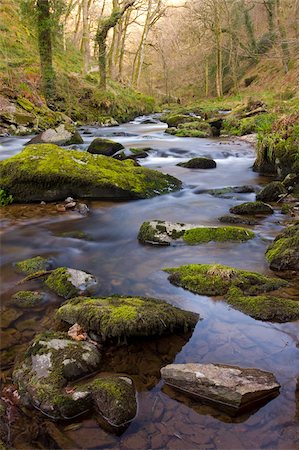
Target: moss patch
(58, 282)
(32, 265)
(252, 208)
(48, 172)
(283, 253)
(27, 299)
(221, 234)
(124, 317)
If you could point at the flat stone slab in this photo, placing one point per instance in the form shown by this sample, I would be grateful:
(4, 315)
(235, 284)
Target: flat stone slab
(228, 387)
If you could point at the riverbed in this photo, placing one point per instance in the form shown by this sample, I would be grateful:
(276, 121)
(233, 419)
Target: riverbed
(110, 250)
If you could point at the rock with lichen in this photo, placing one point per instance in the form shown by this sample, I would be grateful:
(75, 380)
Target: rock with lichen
(119, 318)
(283, 253)
(36, 264)
(68, 283)
(271, 192)
(46, 172)
(252, 208)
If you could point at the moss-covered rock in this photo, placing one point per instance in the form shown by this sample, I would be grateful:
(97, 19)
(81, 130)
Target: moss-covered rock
(230, 190)
(106, 147)
(252, 208)
(199, 163)
(196, 128)
(173, 120)
(244, 290)
(69, 283)
(46, 172)
(234, 219)
(283, 253)
(61, 135)
(203, 235)
(27, 299)
(271, 192)
(110, 318)
(132, 153)
(48, 364)
(115, 399)
(32, 265)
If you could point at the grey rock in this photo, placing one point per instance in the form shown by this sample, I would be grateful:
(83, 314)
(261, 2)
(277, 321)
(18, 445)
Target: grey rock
(60, 135)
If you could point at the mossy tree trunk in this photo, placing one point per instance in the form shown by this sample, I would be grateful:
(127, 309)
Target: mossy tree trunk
(44, 28)
(105, 25)
(284, 45)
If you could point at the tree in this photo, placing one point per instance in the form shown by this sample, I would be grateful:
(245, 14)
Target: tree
(104, 26)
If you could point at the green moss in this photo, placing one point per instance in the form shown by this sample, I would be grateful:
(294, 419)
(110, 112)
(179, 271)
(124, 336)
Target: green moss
(27, 299)
(25, 104)
(252, 208)
(46, 171)
(191, 133)
(5, 198)
(58, 282)
(283, 253)
(221, 234)
(147, 233)
(32, 265)
(123, 317)
(173, 120)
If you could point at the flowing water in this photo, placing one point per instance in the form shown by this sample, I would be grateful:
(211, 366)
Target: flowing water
(111, 251)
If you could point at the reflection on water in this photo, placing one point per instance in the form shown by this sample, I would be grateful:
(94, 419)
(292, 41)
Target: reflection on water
(123, 266)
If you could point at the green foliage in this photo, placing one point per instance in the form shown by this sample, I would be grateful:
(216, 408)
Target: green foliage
(5, 198)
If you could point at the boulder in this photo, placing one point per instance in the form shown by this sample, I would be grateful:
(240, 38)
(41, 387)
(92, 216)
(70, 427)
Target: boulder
(158, 232)
(118, 318)
(231, 388)
(271, 192)
(283, 253)
(100, 146)
(61, 135)
(46, 172)
(69, 283)
(36, 264)
(115, 399)
(50, 362)
(252, 208)
(199, 163)
(249, 292)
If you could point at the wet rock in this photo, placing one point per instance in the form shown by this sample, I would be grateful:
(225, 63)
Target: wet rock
(76, 234)
(49, 363)
(173, 120)
(8, 316)
(46, 172)
(100, 146)
(148, 122)
(70, 205)
(115, 399)
(159, 232)
(224, 386)
(69, 283)
(132, 153)
(82, 209)
(36, 264)
(27, 299)
(119, 318)
(9, 338)
(252, 208)
(222, 192)
(62, 135)
(238, 220)
(199, 163)
(283, 253)
(271, 192)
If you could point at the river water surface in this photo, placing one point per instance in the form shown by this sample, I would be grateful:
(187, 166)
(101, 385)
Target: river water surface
(112, 253)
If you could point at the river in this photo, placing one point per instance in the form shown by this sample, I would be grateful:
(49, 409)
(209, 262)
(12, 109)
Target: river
(122, 265)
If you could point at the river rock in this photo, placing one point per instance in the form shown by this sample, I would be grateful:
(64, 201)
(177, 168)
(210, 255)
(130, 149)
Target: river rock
(238, 220)
(49, 363)
(115, 399)
(222, 385)
(252, 208)
(271, 192)
(132, 153)
(68, 283)
(46, 172)
(118, 318)
(27, 299)
(36, 264)
(283, 253)
(100, 146)
(61, 135)
(158, 232)
(199, 163)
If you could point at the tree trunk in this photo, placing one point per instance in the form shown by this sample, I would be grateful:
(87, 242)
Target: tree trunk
(85, 35)
(218, 41)
(139, 57)
(123, 45)
(45, 48)
(283, 37)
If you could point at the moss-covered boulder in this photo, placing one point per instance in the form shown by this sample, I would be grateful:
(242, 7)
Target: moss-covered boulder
(244, 290)
(158, 232)
(46, 172)
(173, 120)
(69, 283)
(197, 128)
(271, 192)
(199, 163)
(252, 208)
(119, 318)
(115, 399)
(106, 147)
(283, 253)
(27, 299)
(50, 362)
(62, 135)
(36, 264)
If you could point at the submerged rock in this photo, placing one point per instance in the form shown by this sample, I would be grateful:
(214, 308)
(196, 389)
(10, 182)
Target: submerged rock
(252, 208)
(46, 172)
(238, 220)
(231, 388)
(158, 232)
(283, 253)
(271, 192)
(27, 299)
(110, 318)
(222, 192)
(36, 264)
(199, 163)
(62, 135)
(69, 283)
(106, 147)
(244, 290)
